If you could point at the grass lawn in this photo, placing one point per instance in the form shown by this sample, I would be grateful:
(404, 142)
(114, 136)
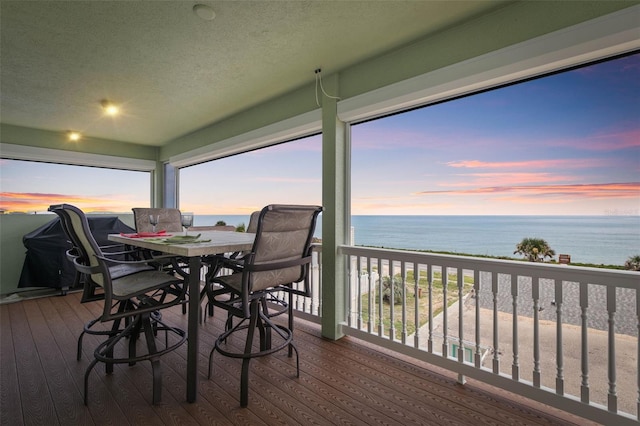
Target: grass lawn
(371, 301)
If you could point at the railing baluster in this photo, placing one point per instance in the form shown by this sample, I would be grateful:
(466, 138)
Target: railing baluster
(612, 398)
(476, 292)
(494, 290)
(535, 295)
(349, 291)
(403, 272)
(359, 292)
(392, 319)
(430, 308)
(558, 294)
(460, 275)
(380, 300)
(370, 301)
(515, 366)
(460, 280)
(445, 311)
(319, 304)
(638, 352)
(416, 303)
(584, 304)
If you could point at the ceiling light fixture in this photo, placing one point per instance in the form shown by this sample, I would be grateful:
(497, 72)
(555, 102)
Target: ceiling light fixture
(204, 12)
(110, 108)
(74, 136)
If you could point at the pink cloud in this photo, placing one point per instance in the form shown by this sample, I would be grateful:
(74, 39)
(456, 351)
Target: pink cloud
(610, 141)
(35, 201)
(604, 190)
(528, 164)
(493, 179)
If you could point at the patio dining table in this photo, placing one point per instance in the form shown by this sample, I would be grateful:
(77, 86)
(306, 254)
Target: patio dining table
(218, 242)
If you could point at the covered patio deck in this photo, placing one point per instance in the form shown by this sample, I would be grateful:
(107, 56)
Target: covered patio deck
(341, 382)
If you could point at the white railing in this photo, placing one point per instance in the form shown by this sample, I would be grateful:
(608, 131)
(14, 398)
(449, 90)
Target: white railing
(562, 335)
(310, 308)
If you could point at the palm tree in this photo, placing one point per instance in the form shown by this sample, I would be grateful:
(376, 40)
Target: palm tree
(534, 249)
(633, 263)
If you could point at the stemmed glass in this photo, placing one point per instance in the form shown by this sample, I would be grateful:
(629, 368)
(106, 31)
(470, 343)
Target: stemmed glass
(187, 221)
(153, 220)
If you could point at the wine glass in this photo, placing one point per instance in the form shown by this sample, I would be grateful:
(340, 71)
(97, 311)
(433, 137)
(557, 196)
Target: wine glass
(153, 220)
(187, 221)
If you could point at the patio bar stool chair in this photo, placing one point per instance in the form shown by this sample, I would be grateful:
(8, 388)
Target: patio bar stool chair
(91, 291)
(136, 298)
(281, 256)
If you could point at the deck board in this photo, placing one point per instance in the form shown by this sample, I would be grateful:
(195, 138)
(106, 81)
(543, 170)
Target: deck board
(341, 382)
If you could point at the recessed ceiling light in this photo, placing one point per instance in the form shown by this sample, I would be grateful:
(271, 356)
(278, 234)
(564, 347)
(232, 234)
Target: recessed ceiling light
(74, 136)
(110, 108)
(204, 12)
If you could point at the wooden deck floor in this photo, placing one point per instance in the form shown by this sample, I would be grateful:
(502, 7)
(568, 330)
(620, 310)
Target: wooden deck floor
(343, 382)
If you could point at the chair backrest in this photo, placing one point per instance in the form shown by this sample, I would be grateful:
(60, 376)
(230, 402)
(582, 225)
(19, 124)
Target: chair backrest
(80, 234)
(281, 252)
(168, 219)
(78, 254)
(98, 269)
(253, 222)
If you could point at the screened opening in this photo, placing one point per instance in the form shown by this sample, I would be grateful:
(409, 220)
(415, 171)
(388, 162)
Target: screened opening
(553, 157)
(229, 189)
(31, 187)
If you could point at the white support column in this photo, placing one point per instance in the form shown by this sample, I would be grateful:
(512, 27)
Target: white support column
(335, 214)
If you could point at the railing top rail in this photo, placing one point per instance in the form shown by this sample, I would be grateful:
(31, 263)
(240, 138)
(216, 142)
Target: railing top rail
(599, 276)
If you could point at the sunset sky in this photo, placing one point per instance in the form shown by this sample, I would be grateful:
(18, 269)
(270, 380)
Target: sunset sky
(564, 144)
(567, 144)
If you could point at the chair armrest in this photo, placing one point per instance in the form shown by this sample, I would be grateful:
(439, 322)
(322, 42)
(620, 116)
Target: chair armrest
(280, 264)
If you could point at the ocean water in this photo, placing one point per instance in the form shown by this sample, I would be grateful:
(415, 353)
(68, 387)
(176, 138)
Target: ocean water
(608, 240)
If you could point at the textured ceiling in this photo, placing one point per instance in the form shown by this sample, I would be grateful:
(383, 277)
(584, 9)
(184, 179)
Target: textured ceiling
(174, 72)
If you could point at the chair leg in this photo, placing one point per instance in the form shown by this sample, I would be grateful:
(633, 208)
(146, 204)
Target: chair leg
(290, 313)
(265, 331)
(86, 327)
(108, 367)
(86, 380)
(155, 362)
(244, 377)
(133, 339)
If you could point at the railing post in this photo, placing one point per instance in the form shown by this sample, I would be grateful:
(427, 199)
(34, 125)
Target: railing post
(445, 311)
(403, 272)
(584, 358)
(430, 285)
(494, 291)
(392, 302)
(515, 367)
(535, 295)
(460, 275)
(416, 301)
(559, 353)
(372, 311)
(612, 396)
(359, 291)
(476, 290)
(380, 300)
